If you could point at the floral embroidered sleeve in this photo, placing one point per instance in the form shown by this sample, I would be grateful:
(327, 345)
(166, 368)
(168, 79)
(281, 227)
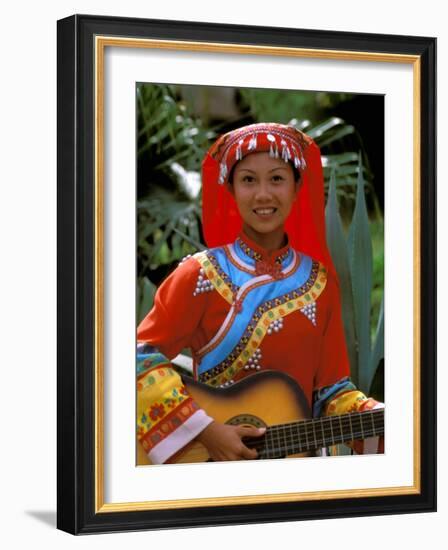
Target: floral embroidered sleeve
(167, 417)
(341, 398)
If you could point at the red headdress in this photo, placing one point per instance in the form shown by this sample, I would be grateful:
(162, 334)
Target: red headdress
(305, 225)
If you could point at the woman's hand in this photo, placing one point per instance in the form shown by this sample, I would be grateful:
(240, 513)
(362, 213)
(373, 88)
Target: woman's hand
(224, 442)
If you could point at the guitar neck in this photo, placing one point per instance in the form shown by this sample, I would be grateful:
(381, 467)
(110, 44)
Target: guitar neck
(308, 435)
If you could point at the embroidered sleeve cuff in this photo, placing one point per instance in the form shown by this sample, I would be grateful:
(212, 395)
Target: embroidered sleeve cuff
(180, 437)
(326, 394)
(149, 357)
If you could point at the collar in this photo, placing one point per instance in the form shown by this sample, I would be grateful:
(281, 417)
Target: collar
(259, 254)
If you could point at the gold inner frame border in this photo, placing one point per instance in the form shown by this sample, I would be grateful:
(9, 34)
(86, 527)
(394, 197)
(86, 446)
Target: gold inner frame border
(100, 44)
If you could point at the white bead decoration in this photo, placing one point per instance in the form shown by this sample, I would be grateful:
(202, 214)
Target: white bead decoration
(185, 258)
(202, 284)
(247, 142)
(275, 326)
(253, 363)
(310, 312)
(227, 384)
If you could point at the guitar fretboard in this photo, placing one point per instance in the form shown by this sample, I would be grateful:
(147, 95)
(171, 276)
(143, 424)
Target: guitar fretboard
(282, 440)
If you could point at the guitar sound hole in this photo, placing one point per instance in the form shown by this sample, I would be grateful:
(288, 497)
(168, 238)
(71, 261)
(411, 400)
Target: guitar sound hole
(247, 420)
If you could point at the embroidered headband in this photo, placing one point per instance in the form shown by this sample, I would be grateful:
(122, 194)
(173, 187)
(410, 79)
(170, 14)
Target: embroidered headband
(280, 140)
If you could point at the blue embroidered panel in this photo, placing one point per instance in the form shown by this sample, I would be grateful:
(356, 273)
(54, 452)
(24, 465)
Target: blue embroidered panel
(254, 298)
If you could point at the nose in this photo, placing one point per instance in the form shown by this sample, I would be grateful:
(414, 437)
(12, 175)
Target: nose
(263, 193)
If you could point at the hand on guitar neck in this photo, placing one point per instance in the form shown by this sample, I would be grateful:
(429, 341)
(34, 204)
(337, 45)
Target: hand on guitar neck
(224, 442)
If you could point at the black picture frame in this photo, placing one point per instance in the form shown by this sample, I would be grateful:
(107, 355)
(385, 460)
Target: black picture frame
(79, 508)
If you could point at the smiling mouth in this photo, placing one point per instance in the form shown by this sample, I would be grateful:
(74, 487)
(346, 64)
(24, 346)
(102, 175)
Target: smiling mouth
(264, 211)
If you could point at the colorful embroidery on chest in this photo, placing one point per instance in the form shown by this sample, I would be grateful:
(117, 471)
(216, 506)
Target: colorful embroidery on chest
(216, 276)
(268, 315)
(253, 290)
(256, 255)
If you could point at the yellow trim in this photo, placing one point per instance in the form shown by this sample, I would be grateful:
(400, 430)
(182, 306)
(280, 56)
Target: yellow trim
(101, 42)
(260, 330)
(214, 277)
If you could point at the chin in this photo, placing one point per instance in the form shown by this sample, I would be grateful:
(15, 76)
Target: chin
(266, 230)
(267, 227)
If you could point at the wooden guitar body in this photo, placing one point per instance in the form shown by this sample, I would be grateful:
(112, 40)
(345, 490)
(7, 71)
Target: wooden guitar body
(274, 400)
(261, 400)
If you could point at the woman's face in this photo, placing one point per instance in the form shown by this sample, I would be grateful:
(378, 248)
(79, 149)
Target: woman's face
(264, 189)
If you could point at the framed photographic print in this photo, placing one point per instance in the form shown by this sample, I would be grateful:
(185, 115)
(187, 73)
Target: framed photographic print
(246, 272)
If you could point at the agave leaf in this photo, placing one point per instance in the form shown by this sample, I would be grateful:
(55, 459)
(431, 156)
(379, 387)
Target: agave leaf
(339, 253)
(361, 267)
(146, 292)
(339, 159)
(347, 170)
(378, 348)
(344, 187)
(342, 193)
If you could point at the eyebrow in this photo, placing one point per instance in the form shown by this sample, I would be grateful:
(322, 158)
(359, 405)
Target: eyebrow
(271, 170)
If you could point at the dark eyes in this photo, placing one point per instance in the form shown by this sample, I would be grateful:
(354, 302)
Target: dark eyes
(251, 179)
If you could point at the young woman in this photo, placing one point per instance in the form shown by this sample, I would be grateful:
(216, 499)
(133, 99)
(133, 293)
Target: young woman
(264, 296)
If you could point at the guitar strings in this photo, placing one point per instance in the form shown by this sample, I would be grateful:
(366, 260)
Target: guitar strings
(291, 448)
(344, 418)
(328, 424)
(306, 439)
(325, 424)
(281, 452)
(294, 441)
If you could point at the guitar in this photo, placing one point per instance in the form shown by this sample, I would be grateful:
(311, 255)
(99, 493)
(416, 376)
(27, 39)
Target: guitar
(273, 400)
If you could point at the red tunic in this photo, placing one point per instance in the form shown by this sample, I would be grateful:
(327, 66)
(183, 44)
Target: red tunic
(315, 355)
